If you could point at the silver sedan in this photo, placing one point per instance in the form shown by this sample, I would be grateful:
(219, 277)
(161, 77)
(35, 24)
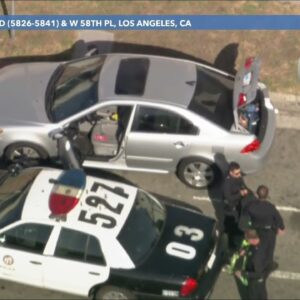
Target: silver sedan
(140, 113)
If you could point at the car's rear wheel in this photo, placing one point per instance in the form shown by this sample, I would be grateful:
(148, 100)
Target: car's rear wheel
(25, 153)
(197, 172)
(114, 293)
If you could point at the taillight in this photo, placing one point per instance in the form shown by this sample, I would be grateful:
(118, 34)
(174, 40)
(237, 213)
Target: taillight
(249, 62)
(188, 287)
(253, 146)
(242, 99)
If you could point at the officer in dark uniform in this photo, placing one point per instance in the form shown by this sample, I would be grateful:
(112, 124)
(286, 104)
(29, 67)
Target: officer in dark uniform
(234, 189)
(255, 269)
(267, 221)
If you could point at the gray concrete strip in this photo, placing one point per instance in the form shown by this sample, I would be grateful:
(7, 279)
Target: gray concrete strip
(284, 98)
(288, 122)
(95, 35)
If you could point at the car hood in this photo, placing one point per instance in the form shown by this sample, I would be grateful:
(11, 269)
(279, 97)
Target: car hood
(181, 230)
(22, 91)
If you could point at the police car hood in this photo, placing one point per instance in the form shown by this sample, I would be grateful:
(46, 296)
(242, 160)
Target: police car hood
(185, 245)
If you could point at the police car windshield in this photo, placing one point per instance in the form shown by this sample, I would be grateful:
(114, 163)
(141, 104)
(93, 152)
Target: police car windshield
(143, 227)
(13, 192)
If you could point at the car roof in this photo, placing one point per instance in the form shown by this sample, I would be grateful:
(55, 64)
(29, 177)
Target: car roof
(105, 222)
(164, 79)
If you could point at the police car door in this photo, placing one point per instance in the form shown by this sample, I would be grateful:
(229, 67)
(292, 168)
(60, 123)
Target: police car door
(21, 252)
(76, 263)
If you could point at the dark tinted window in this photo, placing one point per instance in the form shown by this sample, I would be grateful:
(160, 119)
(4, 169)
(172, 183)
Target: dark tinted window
(212, 98)
(94, 254)
(156, 120)
(79, 246)
(143, 227)
(13, 192)
(131, 77)
(27, 237)
(73, 88)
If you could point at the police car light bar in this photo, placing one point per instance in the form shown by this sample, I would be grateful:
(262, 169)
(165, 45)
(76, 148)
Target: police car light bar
(67, 191)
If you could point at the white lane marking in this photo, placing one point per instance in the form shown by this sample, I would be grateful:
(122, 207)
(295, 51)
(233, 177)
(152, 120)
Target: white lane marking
(288, 208)
(285, 275)
(282, 275)
(206, 199)
(282, 208)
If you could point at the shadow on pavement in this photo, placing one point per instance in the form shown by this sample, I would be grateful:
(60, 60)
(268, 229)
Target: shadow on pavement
(225, 59)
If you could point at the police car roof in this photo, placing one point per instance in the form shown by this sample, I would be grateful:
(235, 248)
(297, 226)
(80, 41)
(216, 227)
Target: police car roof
(104, 205)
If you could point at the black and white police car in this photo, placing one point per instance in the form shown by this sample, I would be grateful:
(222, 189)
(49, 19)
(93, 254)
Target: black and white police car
(79, 234)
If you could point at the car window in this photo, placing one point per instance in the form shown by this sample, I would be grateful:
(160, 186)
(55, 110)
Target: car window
(13, 192)
(73, 88)
(76, 245)
(27, 237)
(212, 98)
(143, 227)
(156, 120)
(132, 75)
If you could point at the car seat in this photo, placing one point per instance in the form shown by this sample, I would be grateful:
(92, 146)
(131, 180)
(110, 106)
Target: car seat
(104, 137)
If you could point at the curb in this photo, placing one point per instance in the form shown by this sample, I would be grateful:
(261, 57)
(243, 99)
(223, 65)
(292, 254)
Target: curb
(284, 98)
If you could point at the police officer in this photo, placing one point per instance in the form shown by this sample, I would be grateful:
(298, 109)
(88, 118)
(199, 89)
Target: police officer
(267, 221)
(255, 269)
(234, 189)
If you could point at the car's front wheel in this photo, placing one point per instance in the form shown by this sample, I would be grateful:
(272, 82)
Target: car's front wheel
(197, 172)
(114, 293)
(25, 153)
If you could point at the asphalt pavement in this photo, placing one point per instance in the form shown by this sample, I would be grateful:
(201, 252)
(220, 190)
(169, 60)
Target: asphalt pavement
(281, 175)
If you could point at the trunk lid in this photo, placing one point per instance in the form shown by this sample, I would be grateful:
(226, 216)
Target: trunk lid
(245, 110)
(185, 246)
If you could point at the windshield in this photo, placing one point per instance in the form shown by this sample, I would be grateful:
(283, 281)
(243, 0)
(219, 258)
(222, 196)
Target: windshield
(73, 88)
(13, 192)
(213, 97)
(143, 227)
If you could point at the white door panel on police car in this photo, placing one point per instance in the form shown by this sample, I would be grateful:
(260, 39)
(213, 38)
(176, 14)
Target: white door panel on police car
(21, 267)
(21, 253)
(77, 255)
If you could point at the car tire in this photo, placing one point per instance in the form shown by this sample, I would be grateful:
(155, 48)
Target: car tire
(113, 293)
(198, 173)
(27, 154)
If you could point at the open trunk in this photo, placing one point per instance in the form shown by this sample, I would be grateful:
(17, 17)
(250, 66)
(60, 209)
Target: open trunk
(247, 98)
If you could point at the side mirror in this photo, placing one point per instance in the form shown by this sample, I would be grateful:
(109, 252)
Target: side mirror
(56, 134)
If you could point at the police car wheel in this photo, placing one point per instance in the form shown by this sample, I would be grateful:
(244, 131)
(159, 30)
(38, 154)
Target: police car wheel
(113, 293)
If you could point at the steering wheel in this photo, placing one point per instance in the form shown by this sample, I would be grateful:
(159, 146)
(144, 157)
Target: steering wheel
(91, 118)
(72, 131)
